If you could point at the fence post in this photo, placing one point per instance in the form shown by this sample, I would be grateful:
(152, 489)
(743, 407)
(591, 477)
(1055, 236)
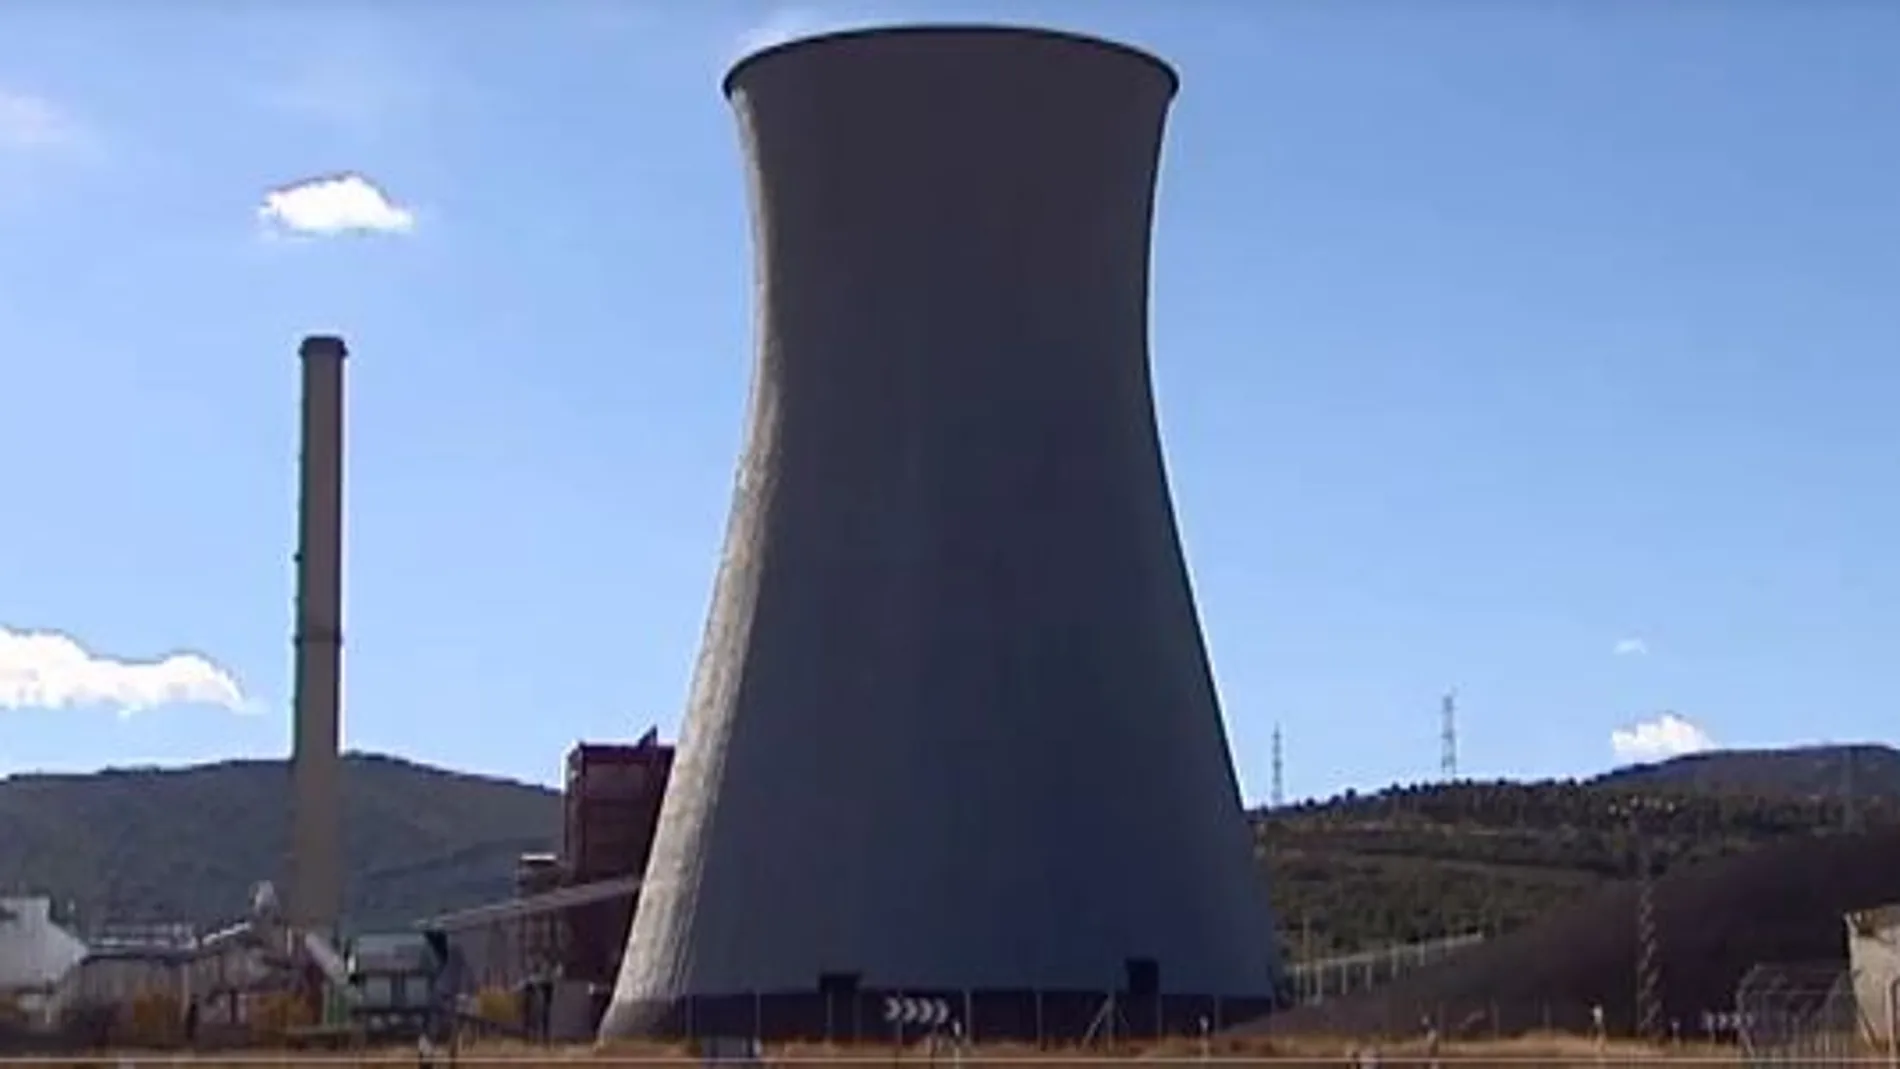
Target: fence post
(969, 1016)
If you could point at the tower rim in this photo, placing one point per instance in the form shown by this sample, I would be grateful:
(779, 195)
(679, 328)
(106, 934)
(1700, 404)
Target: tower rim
(730, 83)
(322, 345)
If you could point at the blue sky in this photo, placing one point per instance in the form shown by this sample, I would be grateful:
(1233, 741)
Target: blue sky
(1488, 336)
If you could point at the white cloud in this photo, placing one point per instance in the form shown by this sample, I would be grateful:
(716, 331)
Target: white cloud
(1668, 735)
(48, 670)
(1630, 647)
(336, 204)
(30, 123)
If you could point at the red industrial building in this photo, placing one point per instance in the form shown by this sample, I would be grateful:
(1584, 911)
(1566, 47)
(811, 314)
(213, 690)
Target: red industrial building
(566, 926)
(612, 802)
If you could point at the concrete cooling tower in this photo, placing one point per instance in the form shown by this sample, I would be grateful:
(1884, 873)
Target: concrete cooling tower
(952, 733)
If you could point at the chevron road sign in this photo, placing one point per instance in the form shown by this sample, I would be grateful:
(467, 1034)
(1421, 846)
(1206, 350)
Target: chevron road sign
(925, 1011)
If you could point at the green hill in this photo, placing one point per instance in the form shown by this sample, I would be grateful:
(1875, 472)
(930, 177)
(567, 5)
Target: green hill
(1361, 871)
(151, 844)
(1348, 873)
(1804, 771)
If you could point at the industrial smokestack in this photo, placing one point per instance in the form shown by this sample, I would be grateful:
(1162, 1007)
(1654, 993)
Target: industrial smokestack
(953, 726)
(315, 900)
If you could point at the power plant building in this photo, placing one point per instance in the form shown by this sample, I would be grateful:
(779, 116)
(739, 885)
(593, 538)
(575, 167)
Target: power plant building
(952, 728)
(611, 806)
(35, 951)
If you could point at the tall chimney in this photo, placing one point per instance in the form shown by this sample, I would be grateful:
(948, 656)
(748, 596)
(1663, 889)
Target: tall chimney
(315, 900)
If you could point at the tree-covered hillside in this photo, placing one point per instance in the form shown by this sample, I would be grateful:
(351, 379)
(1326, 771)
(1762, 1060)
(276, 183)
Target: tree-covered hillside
(1352, 872)
(1361, 871)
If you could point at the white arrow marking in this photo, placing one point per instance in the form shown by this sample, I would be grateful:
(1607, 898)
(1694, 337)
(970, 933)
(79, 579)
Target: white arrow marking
(891, 1009)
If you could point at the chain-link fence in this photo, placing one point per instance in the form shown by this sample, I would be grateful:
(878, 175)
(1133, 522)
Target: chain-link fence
(1797, 1015)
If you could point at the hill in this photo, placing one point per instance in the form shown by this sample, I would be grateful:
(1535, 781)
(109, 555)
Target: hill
(1779, 904)
(1352, 872)
(1360, 871)
(151, 844)
(1801, 771)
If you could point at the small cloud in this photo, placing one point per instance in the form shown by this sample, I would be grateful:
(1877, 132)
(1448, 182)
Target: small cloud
(30, 123)
(338, 204)
(48, 670)
(1668, 735)
(1630, 647)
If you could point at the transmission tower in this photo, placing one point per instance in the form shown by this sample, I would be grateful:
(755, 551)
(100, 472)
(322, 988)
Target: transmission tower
(1648, 960)
(1850, 815)
(1448, 736)
(1279, 771)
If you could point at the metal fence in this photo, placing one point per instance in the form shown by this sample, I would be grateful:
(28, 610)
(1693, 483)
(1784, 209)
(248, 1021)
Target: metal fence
(1347, 974)
(1799, 1015)
(851, 1017)
(1520, 1016)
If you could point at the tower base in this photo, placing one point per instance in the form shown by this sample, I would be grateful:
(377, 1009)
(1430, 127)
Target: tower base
(988, 1016)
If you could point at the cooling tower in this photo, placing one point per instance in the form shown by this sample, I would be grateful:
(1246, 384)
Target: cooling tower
(952, 728)
(316, 862)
